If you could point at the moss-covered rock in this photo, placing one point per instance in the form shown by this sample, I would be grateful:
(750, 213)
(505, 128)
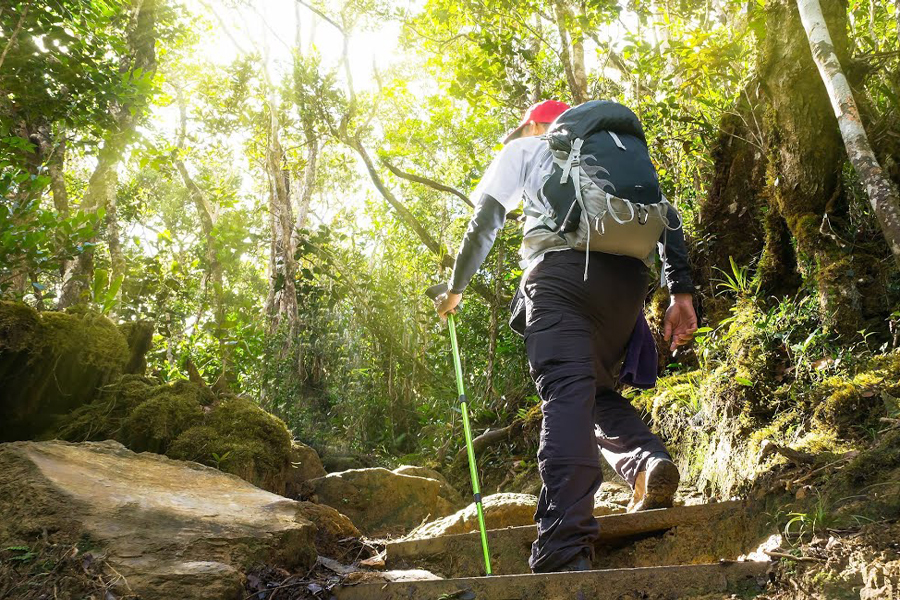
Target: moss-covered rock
(239, 437)
(52, 363)
(155, 423)
(853, 406)
(187, 421)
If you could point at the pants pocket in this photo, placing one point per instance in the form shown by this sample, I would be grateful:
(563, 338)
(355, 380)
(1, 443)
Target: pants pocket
(538, 321)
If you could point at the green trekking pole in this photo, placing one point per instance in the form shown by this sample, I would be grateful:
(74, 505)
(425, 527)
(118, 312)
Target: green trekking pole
(433, 292)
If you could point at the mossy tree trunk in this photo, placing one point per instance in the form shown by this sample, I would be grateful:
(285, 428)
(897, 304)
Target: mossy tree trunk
(734, 221)
(729, 221)
(805, 159)
(777, 191)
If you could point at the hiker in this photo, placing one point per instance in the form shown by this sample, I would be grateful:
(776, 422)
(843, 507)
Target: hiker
(582, 307)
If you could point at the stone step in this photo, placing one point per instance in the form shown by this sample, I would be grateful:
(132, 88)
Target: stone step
(671, 536)
(659, 583)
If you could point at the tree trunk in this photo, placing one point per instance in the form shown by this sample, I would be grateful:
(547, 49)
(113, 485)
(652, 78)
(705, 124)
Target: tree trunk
(113, 243)
(572, 59)
(54, 156)
(80, 271)
(490, 394)
(537, 94)
(304, 198)
(56, 165)
(804, 163)
(11, 41)
(141, 41)
(883, 195)
(207, 213)
(282, 297)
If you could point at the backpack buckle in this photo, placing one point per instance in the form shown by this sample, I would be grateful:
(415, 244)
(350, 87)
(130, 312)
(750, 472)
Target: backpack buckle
(574, 159)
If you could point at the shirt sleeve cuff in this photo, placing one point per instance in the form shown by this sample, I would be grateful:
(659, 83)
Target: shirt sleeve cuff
(681, 287)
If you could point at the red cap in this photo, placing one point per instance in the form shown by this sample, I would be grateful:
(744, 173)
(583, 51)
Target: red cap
(545, 111)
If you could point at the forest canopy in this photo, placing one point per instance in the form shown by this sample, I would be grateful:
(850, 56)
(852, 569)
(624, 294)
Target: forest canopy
(274, 183)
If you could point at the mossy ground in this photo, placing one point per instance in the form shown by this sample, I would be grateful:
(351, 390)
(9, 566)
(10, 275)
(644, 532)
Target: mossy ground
(773, 373)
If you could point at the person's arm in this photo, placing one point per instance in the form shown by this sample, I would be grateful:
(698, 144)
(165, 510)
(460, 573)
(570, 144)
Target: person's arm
(680, 321)
(477, 243)
(677, 266)
(498, 192)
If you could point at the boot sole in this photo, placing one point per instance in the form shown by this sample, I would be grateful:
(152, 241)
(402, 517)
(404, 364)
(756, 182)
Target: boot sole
(662, 483)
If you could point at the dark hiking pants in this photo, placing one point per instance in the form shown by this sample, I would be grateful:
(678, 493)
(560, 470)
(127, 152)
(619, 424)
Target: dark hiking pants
(576, 334)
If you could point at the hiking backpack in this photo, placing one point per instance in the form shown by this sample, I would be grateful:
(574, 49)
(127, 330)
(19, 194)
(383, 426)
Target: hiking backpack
(603, 193)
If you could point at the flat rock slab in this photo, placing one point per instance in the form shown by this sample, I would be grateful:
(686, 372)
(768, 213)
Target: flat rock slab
(656, 583)
(381, 502)
(172, 529)
(692, 534)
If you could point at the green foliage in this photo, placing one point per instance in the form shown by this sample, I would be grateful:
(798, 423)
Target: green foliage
(801, 526)
(36, 240)
(364, 365)
(739, 281)
(21, 554)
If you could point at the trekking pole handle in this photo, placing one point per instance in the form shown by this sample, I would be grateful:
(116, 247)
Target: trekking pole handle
(436, 290)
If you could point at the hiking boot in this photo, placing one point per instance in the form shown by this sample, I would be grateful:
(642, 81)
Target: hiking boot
(582, 562)
(655, 486)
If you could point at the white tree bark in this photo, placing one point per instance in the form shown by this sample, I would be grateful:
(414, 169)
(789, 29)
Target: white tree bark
(883, 195)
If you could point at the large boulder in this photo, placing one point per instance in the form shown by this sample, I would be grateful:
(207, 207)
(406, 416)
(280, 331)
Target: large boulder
(171, 529)
(500, 510)
(417, 471)
(51, 363)
(305, 465)
(381, 502)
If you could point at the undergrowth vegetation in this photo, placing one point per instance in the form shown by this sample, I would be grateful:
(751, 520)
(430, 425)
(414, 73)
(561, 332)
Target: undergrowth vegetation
(772, 371)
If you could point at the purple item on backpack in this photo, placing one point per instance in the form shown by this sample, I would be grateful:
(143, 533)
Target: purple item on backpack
(641, 360)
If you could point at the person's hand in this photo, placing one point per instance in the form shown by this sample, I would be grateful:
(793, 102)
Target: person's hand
(680, 322)
(446, 303)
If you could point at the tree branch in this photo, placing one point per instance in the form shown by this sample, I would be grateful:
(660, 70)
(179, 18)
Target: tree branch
(15, 33)
(410, 219)
(426, 181)
(323, 16)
